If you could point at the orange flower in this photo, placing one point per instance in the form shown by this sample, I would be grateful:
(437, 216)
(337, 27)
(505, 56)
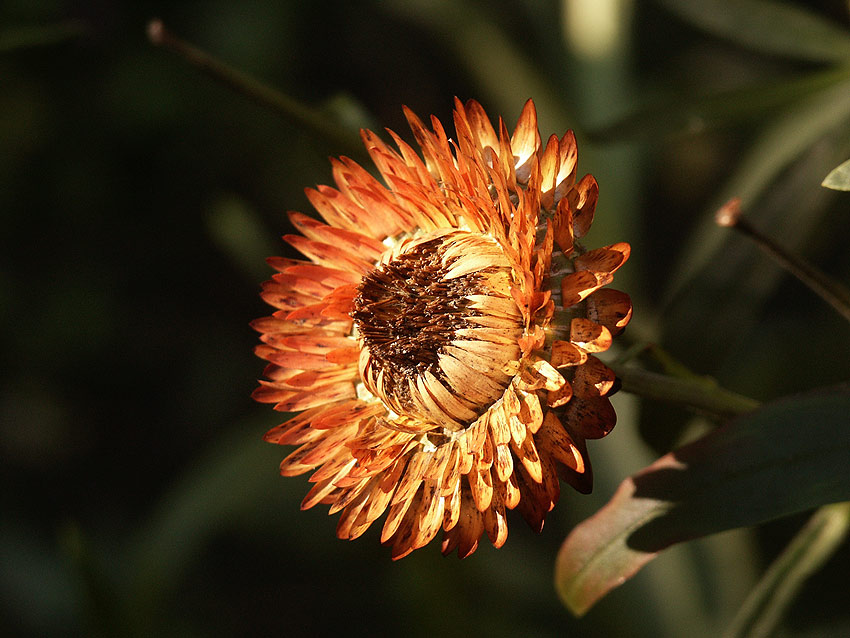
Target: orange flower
(438, 343)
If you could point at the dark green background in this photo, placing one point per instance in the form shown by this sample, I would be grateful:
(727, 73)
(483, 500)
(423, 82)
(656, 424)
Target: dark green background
(139, 199)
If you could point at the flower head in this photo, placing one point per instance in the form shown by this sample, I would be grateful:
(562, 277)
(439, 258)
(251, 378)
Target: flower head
(438, 341)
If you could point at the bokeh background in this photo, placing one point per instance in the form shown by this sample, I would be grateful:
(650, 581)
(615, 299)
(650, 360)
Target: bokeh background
(139, 198)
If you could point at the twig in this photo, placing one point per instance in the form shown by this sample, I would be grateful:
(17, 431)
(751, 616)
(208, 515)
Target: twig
(831, 291)
(260, 93)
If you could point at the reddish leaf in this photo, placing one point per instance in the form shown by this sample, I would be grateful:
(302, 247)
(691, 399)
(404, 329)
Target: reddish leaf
(786, 457)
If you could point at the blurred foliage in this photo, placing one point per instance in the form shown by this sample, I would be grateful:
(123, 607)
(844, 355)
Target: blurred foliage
(139, 199)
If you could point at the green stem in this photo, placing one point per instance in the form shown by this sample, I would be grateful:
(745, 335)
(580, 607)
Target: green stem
(805, 554)
(699, 394)
(257, 91)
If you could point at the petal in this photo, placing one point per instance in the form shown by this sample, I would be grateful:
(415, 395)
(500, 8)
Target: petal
(525, 141)
(593, 379)
(604, 260)
(566, 354)
(590, 418)
(553, 440)
(583, 197)
(589, 335)
(610, 308)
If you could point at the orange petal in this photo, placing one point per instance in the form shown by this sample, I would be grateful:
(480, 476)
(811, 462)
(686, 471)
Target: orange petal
(553, 440)
(467, 532)
(563, 226)
(538, 498)
(431, 508)
(589, 335)
(329, 255)
(604, 260)
(347, 412)
(503, 462)
(593, 379)
(591, 418)
(316, 397)
(611, 308)
(531, 414)
(495, 521)
(528, 456)
(324, 487)
(525, 141)
(560, 397)
(549, 172)
(296, 430)
(481, 488)
(566, 354)
(452, 501)
(481, 126)
(583, 198)
(394, 519)
(575, 286)
(568, 153)
(412, 477)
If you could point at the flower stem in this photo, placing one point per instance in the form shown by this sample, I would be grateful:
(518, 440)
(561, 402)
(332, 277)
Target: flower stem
(699, 394)
(804, 555)
(831, 291)
(257, 91)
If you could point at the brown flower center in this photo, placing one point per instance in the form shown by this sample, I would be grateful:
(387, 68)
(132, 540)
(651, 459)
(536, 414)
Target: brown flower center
(416, 315)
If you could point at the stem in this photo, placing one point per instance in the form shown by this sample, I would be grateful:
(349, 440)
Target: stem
(698, 394)
(256, 91)
(831, 291)
(804, 555)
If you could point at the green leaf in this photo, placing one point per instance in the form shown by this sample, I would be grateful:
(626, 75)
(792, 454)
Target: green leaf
(229, 483)
(839, 177)
(778, 144)
(504, 73)
(676, 115)
(26, 37)
(770, 27)
(813, 545)
(786, 457)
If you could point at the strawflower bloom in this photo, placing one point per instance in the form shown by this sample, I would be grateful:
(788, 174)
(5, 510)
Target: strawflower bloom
(437, 343)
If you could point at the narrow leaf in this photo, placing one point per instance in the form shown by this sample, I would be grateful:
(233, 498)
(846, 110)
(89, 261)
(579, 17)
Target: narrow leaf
(779, 143)
(767, 26)
(839, 177)
(808, 551)
(26, 37)
(788, 456)
(672, 115)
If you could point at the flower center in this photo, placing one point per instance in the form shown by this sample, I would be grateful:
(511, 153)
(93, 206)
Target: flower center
(437, 325)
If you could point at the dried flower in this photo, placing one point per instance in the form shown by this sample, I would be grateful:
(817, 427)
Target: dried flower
(438, 342)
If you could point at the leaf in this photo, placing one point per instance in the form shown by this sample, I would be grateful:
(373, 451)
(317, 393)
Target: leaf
(504, 73)
(786, 457)
(671, 115)
(839, 177)
(767, 26)
(813, 545)
(778, 144)
(222, 490)
(26, 37)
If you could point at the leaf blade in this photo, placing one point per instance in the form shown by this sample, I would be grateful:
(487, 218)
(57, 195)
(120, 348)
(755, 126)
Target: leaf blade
(838, 178)
(736, 476)
(769, 27)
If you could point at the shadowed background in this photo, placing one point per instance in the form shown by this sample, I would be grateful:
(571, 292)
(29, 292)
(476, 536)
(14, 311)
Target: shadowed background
(139, 199)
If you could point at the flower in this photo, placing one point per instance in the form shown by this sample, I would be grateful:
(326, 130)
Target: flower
(438, 342)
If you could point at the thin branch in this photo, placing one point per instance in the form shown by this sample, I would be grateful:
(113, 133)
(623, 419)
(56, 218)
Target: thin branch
(255, 90)
(831, 291)
(698, 394)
